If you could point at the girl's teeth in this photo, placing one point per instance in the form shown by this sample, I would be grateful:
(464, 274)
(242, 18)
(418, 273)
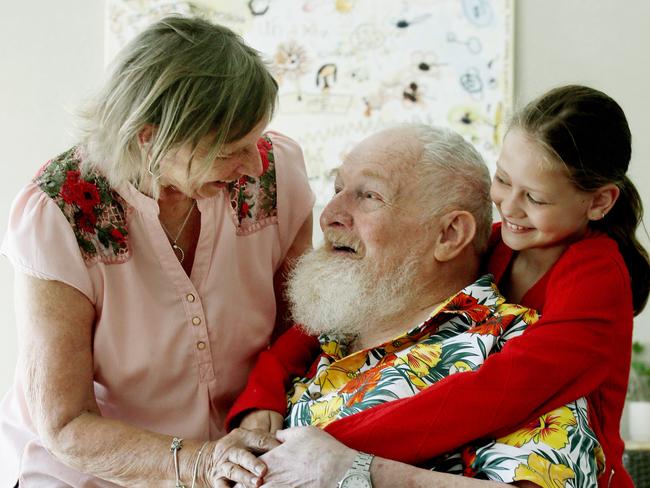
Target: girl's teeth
(515, 227)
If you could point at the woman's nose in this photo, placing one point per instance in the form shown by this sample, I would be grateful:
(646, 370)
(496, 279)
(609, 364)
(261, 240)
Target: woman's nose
(252, 164)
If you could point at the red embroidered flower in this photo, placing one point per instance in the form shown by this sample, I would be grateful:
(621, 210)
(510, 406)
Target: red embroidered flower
(79, 192)
(264, 146)
(87, 221)
(88, 197)
(118, 236)
(243, 210)
(70, 188)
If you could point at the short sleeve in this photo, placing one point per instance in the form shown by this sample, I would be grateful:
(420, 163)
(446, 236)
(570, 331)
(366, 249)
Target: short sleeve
(294, 195)
(40, 242)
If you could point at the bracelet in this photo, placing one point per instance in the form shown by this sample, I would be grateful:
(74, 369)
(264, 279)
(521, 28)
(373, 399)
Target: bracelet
(195, 473)
(177, 445)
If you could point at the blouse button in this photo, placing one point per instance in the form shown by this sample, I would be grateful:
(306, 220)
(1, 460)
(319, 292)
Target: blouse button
(196, 320)
(200, 345)
(190, 297)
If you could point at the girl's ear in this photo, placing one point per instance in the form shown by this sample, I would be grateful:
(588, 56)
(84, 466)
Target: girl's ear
(603, 199)
(457, 230)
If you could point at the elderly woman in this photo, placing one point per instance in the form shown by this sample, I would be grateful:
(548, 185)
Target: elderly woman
(149, 271)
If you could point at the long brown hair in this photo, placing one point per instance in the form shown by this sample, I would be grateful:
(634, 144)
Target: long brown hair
(588, 131)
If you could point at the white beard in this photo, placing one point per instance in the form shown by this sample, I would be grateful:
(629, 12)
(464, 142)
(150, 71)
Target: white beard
(339, 295)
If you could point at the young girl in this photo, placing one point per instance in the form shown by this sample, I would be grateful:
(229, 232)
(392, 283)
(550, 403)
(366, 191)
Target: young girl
(566, 246)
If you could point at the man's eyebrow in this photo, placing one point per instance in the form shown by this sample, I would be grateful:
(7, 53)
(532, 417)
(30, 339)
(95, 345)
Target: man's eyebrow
(375, 175)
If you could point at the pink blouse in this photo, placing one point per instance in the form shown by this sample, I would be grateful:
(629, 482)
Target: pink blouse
(171, 352)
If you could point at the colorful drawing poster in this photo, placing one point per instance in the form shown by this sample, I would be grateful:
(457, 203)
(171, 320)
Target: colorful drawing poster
(347, 68)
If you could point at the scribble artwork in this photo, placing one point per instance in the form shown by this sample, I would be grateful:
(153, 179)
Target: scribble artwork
(347, 68)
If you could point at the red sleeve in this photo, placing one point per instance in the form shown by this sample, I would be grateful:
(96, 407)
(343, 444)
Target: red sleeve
(289, 357)
(566, 355)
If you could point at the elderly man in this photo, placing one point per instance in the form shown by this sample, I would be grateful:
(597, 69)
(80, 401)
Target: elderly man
(394, 298)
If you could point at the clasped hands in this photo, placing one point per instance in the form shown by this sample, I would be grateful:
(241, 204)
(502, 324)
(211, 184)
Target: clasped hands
(301, 457)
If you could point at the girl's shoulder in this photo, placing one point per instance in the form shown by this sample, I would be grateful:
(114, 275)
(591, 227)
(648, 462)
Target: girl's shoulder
(596, 246)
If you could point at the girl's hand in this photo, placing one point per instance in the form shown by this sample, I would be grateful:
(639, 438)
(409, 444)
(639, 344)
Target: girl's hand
(233, 459)
(264, 420)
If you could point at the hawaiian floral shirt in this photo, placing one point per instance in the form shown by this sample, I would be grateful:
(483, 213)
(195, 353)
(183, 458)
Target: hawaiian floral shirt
(557, 449)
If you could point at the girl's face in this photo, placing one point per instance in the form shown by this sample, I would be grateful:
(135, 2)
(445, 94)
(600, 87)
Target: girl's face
(539, 206)
(236, 159)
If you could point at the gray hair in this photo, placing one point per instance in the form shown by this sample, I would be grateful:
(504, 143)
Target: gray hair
(454, 176)
(186, 77)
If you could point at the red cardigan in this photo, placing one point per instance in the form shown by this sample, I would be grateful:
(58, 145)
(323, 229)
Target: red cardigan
(580, 347)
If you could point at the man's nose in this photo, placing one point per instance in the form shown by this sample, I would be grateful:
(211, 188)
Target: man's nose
(337, 213)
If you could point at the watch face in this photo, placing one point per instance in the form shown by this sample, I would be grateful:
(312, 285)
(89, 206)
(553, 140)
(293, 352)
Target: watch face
(356, 481)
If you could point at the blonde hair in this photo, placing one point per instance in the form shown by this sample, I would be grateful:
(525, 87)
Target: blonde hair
(185, 77)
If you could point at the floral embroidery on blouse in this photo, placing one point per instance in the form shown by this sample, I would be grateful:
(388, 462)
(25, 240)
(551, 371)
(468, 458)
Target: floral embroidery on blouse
(254, 200)
(96, 213)
(554, 450)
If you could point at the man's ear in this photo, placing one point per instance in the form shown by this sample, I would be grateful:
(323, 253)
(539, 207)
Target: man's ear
(456, 231)
(602, 201)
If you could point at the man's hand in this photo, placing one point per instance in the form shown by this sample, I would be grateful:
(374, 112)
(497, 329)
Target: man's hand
(265, 420)
(307, 458)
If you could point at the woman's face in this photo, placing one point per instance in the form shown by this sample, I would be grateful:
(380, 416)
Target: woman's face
(236, 159)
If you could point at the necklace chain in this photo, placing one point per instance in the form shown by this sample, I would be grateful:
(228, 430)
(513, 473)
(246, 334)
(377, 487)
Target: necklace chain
(177, 249)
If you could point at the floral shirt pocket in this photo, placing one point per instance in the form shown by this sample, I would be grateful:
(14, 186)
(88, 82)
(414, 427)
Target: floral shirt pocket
(254, 200)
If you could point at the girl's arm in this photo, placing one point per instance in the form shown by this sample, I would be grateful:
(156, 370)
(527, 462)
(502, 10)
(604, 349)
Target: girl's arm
(56, 370)
(289, 357)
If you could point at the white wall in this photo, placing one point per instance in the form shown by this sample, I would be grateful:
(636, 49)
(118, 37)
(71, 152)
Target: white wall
(51, 57)
(601, 43)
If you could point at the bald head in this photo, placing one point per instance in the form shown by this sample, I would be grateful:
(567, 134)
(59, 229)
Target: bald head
(437, 167)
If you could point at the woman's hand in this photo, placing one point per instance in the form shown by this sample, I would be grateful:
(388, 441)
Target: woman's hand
(264, 420)
(233, 458)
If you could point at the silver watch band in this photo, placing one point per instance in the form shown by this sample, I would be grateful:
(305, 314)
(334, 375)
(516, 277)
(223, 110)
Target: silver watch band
(362, 462)
(359, 473)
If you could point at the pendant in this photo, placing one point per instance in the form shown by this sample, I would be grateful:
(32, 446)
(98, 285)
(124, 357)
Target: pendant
(179, 252)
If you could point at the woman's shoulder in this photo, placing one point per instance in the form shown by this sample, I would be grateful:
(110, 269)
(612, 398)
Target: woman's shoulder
(286, 151)
(94, 212)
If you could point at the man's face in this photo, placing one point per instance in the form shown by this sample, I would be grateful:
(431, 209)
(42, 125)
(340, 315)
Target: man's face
(374, 254)
(375, 215)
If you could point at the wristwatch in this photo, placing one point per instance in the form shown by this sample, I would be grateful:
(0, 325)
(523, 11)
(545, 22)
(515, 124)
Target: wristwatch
(358, 476)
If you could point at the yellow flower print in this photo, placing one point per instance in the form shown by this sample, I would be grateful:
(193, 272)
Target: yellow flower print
(298, 390)
(599, 454)
(495, 291)
(422, 357)
(339, 373)
(459, 367)
(528, 315)
(324, 412)
(332, 349)
(549, 429)
(544, 473)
